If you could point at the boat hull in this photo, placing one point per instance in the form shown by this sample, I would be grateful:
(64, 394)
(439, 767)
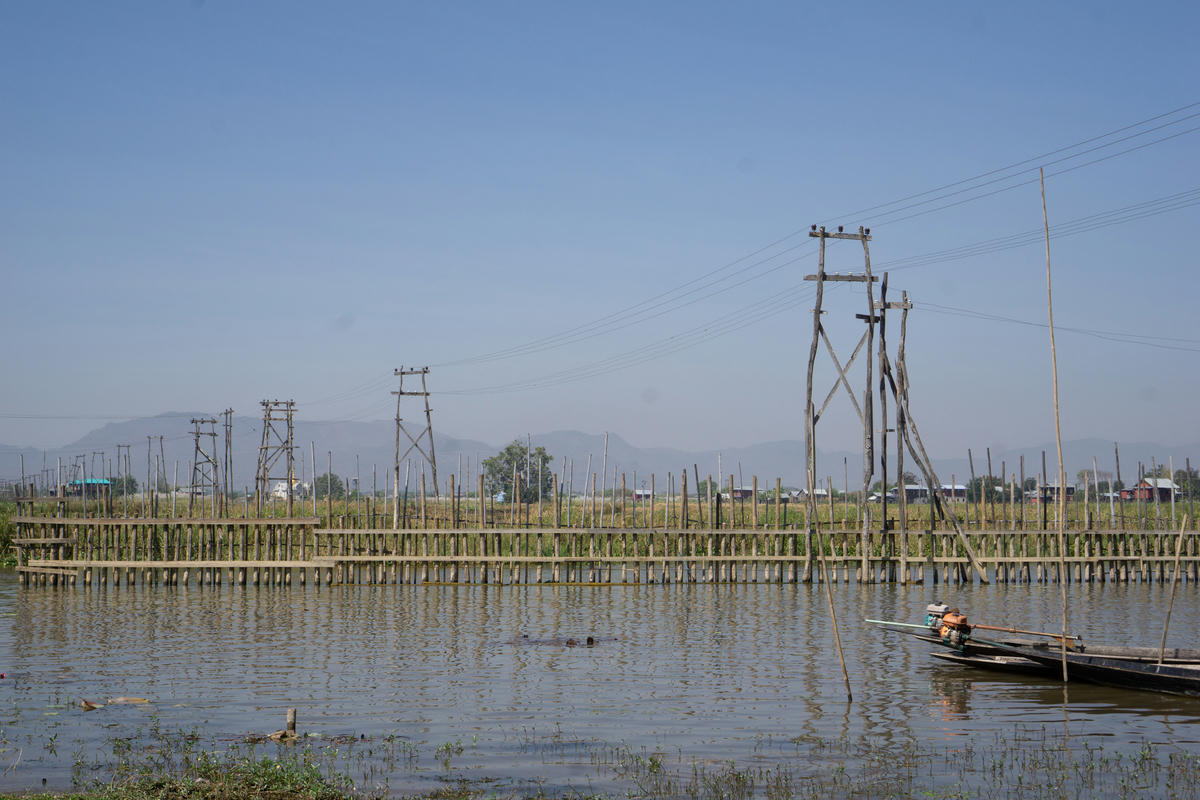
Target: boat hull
(1121, 673)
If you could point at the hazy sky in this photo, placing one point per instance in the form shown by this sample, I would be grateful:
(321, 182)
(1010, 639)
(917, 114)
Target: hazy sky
(208, 204)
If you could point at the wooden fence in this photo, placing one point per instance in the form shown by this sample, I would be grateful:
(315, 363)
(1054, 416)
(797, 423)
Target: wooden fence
(172, 551)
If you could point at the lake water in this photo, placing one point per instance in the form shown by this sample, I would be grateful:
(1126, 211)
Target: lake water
(700, 673)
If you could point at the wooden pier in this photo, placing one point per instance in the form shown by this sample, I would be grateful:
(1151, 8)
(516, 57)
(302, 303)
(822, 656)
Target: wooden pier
(64, 551)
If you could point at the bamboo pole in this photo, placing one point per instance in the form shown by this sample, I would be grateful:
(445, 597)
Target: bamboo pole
(1062, 477)
(1162, 648)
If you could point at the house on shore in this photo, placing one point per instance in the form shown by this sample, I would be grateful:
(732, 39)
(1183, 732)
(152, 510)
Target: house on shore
(1164, 489)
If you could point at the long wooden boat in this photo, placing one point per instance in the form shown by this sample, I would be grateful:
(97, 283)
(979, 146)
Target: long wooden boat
(998, 641)
(995, 663)
(1181, 679)
(1182, 656)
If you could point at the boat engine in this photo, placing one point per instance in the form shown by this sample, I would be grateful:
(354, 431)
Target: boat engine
(934, 613)
(954, 628)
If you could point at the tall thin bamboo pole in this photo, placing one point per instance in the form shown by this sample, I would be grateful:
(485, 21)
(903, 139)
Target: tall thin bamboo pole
(1062, 475)
(1162, 648)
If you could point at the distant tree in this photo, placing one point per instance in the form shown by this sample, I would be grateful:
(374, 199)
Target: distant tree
(1159, 471)
(126, 484)
(498, 471)
(328, 484)
(1188, 481)
(984, 487)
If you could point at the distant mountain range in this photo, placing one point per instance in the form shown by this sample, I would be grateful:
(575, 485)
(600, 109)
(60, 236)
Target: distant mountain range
(367, 449)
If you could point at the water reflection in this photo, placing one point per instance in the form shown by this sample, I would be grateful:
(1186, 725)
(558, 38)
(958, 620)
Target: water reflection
(707, 671)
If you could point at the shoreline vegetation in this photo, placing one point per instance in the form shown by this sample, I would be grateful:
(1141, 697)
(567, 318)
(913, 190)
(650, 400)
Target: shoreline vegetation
(834, 511)
(1022, 762)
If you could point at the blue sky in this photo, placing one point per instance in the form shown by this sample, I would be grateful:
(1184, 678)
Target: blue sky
(209, 204)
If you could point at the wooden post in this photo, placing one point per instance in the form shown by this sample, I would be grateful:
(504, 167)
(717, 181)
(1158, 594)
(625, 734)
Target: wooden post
(650, 520)
(991, 507)
(754, 507)
(979, 498)
(1022, 493)
(732, 505)
(1042, 495)
(683, 497)
(1120, 496)
(1188, 468)
(421, 501)
(623, 491)
(557, 505)
(778, 500)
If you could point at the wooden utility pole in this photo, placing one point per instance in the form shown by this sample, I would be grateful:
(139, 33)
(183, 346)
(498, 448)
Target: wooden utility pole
(865, 414)
(811, 415)
(426, 449)
(204, 462)
(227, 464)
(907, 432)
(277, 441)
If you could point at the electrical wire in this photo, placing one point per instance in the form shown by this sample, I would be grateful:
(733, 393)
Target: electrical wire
(1030, 181)
(668, 300)
(633, 315)
(1032, 160)
(1030, 170)
(715, 281)
(1112, 336)
(1103, 219)
(743, 317)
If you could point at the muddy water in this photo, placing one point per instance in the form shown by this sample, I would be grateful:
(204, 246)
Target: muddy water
(406, 687)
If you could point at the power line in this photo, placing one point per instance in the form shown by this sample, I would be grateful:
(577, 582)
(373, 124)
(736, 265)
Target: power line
(634, 315)
(1112, 336)
(1091, 222)
(713, 282)
(741, 318)
(1032, 160)
(1034, 169)
(660, 304)
(1030, 181)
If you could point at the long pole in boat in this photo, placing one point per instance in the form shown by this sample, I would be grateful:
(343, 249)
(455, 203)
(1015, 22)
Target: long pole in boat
(973, 627)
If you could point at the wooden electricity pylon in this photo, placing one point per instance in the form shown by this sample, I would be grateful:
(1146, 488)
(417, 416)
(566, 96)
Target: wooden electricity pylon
(811, 415)
(204, 463)
(414, 441)
(227, 461)
(895, 383)
(277, 435)
(865, 411)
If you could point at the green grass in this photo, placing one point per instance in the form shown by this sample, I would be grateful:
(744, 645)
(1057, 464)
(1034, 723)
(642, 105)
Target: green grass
(212, 777)
(1023, 762)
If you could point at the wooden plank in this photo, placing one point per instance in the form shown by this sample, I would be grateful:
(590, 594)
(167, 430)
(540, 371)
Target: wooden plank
(837, 277)
(179, 521)
(65, 571)
(166, 564)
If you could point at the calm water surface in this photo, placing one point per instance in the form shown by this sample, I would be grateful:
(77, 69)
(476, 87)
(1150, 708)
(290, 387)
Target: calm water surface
(705, 672)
